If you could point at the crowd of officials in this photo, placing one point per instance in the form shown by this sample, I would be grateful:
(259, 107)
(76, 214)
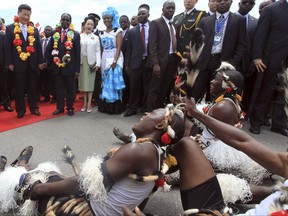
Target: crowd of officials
(131, 65)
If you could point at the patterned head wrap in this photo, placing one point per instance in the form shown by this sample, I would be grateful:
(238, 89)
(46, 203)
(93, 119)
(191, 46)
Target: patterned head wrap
(111, 11)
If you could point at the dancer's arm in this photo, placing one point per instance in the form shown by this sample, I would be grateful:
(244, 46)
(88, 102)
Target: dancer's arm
(275, 162)
(68, 186)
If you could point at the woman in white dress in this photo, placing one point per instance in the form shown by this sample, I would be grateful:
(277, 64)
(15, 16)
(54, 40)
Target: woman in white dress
(111, 64)
(90, 62)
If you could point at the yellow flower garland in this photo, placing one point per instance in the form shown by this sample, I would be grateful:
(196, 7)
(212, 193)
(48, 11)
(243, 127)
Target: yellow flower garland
(18, 42)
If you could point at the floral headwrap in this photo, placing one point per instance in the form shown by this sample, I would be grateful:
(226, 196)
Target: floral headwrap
(111, 11)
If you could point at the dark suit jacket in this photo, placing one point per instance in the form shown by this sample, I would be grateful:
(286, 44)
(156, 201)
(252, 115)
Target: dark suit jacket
(134, 48)
(12, 56)
(159, 43)
(251, 28)
(2, 53)
(234, 42)
(124, 44)
(71, 67)
(271, 37)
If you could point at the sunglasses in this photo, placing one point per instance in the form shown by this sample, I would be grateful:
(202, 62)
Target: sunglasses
(65, 20)
(248, 2)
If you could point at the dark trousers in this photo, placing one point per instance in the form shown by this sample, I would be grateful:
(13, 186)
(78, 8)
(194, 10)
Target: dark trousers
(269, 93)
(159, 87)
(248, 91)
(139, 86)
(47, 83)
(27, 79)
(64, 86)
(202, 82)
(3, 87)
(97, 87)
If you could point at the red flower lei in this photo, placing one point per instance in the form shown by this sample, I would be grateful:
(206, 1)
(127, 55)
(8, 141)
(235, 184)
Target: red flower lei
(18, 42)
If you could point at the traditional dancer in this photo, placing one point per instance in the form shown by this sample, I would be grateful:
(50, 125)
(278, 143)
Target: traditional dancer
(105, 182)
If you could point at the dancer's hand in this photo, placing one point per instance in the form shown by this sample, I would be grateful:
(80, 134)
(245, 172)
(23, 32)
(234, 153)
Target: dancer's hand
(128, 212)
(190, 106)
(28, 193)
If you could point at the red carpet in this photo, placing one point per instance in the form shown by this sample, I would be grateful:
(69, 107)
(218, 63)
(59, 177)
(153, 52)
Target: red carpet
(9, 120)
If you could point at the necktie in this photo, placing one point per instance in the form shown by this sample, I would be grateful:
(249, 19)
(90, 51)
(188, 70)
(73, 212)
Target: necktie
(219, 30)
(24, 31)
(45, 46)
(63, 34)
(143, 37)
(172, 36)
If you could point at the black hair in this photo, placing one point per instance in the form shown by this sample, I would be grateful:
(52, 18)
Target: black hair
(124, 16)
(235, 77)
(67, 14)
(24, 7)
(91, 18)
(177, 124)
(144, 6)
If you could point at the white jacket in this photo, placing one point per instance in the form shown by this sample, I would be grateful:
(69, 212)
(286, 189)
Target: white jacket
(90, 47)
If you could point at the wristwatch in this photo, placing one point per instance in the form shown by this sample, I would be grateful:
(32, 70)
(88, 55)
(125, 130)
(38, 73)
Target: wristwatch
(114, 61)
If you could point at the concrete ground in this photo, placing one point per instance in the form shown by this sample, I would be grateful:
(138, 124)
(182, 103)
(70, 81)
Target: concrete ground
(91, 133)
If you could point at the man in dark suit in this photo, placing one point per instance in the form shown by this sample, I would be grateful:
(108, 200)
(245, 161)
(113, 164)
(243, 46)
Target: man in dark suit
(46, 82)
(135, 63)
(186, 22)
(250, 73)
(212, 7)
(125, 25)
(162, 58)
(269, 52)
(24, 60)
(3, 73)
(225, 40)
(65, 62)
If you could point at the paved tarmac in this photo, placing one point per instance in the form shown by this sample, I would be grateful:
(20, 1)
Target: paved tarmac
(91, 133)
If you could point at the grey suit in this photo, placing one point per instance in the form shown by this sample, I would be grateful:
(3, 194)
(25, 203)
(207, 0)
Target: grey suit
(159, 45)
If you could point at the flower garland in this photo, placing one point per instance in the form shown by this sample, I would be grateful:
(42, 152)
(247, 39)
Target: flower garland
(18, 42)
(68, 45)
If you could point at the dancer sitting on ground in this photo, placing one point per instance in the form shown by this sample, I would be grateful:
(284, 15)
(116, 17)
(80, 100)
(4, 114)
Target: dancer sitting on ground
(226, 88)
(198, 185)
(106, 182)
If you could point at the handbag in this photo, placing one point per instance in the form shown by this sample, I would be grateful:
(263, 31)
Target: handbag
(92, 68)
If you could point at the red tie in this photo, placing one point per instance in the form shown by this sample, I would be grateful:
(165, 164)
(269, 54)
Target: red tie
(63, 35)
(173, 38)
(143, 37)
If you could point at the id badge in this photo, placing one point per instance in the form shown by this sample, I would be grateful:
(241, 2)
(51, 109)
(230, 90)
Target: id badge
(217, 38)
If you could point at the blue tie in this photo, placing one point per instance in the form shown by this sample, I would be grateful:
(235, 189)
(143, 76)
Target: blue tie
(219, 30)
(24, 31)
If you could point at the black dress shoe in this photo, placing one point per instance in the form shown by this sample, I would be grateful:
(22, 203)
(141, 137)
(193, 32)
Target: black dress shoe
(130, 113)
(57, 112)
(20, 115)
(70, 113)
(45, 100)
(8, 108)
(282, 131)
(267, 123)
(35, 112)
(254, 130)
(53, 100)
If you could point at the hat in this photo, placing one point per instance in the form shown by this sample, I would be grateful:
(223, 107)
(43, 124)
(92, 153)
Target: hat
(95, 16)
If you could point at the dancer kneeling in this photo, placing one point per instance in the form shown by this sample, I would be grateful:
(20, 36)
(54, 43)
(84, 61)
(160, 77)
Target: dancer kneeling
(128, 176)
